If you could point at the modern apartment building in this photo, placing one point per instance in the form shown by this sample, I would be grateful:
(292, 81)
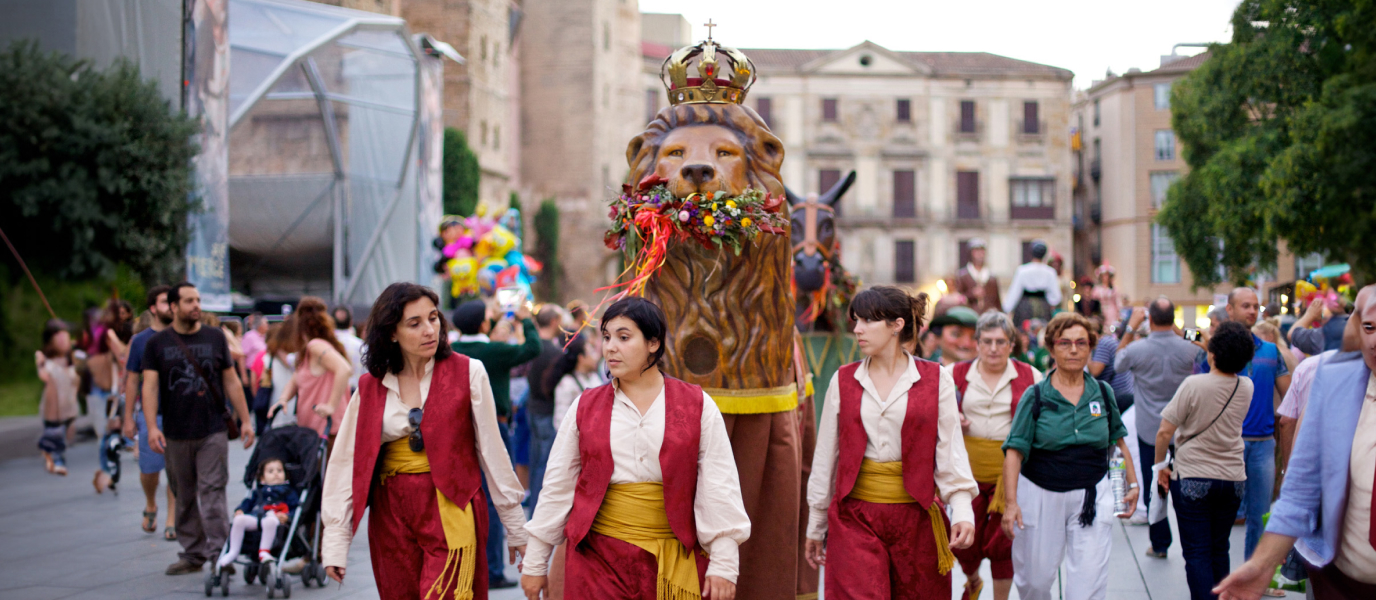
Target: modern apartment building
(947, 146)
(1126, 158)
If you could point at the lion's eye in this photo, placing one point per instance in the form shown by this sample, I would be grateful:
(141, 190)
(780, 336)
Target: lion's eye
(678, 153)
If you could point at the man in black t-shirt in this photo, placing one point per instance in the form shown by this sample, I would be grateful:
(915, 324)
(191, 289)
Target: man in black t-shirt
(191, 399)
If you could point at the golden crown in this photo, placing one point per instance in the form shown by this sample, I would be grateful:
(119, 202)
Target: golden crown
(709, 85)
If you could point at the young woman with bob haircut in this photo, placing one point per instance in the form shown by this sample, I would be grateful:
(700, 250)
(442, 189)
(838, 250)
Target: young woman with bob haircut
(1058, 502)
(889, 459)
(641, 481)
(414, 445)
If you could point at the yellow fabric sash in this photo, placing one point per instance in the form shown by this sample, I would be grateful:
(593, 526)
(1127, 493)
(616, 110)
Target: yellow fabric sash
(986, 460)
(634, 513)
(882, 483)
(754, 401)
(460, 531)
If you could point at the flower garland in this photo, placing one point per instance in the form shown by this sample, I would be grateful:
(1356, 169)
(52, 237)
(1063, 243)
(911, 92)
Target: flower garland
(646, 218)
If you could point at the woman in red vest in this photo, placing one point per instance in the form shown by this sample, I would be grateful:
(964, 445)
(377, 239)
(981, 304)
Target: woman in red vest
(641, 484)
(889, 459)
(414, 445)
(988, 389)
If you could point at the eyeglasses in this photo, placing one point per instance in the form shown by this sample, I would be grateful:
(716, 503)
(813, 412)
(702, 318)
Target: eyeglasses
(416, 441)
(997, 343)
(1064, 345)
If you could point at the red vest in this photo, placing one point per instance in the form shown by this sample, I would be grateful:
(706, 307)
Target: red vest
(678, 458)
(961, 371)
(447, 428)
(919, 433)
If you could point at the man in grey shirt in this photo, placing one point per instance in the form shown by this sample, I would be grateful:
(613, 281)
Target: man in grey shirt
(1158, 365)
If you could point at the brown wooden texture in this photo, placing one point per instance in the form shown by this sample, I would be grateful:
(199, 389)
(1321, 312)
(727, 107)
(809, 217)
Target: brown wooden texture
(730, 317)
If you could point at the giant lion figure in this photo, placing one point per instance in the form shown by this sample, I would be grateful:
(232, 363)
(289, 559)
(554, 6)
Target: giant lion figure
(732, 322)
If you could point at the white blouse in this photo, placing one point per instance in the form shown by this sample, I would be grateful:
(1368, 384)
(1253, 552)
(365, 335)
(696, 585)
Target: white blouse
(338, 502)
(990, 412)
(635, 440)
(569, 389)
(883, 421)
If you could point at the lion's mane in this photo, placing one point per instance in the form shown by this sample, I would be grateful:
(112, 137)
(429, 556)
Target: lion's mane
(764, 153)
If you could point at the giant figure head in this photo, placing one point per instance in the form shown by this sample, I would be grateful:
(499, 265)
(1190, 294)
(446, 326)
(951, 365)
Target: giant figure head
(708, 147)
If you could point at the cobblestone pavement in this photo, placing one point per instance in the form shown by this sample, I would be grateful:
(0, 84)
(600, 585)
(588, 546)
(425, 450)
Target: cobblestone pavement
(61, 540)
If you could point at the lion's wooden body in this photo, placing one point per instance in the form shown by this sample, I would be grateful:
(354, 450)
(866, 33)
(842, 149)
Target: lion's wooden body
(730, 317)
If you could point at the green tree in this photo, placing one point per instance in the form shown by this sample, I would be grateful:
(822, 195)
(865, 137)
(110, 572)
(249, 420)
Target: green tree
(95, 168)
(549, 286)
(461, 173)
(1279, 130)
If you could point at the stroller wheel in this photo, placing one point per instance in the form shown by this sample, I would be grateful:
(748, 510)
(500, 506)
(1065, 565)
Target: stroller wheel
(285, 583)
(224, 591)
(272, 585)
(263, 572)
(210, 583)
(250, 572)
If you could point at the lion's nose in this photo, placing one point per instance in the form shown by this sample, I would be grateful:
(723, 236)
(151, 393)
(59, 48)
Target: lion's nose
(698, 174)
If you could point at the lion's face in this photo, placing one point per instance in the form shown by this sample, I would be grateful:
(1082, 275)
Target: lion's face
(702, 158)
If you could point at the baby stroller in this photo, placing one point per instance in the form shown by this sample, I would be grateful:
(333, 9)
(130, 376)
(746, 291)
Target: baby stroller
(302, 452)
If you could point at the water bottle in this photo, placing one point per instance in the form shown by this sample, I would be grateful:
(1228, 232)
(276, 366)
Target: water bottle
(1117, 476)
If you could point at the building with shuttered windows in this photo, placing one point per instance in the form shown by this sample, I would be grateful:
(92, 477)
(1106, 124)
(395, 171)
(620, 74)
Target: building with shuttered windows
(947, 146)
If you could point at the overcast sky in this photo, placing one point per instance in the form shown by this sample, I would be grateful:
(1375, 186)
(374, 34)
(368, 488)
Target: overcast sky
(1085, 36)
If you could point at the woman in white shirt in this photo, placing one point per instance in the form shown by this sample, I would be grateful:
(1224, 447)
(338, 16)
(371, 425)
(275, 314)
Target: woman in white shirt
(889, 458)
(573, 374)
(641, 482)
(416, 440)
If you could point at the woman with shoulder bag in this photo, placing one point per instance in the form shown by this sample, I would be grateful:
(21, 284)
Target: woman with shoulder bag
(1207, 476)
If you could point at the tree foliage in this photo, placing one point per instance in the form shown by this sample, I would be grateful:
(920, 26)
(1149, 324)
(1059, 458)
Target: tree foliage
(461, 173)
(95, 167)
(547, 250)
(1279, 130)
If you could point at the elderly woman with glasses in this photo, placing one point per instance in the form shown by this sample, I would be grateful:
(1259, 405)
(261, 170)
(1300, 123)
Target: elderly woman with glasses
(415, 443)
(988, 389)
(1058, 499)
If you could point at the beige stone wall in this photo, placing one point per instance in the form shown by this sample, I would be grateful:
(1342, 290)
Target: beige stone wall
(582, 102)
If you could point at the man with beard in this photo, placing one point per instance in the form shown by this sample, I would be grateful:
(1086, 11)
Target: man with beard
(190, 396)
(150, 463)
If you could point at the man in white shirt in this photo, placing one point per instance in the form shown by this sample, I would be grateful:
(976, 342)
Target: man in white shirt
(344, 332)
(1035, 288)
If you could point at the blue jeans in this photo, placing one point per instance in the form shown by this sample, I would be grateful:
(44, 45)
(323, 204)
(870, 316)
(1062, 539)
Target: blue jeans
(1160, 533)
(496, 535)
(541, 442)
(1260, 457)
(1205, 509)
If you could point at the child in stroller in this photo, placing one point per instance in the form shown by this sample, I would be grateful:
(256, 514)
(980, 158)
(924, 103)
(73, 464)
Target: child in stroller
(267, 507)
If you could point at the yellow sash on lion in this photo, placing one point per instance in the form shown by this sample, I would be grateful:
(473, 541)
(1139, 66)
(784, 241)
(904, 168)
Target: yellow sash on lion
(882, 483)
(634, 513)
(460, 531)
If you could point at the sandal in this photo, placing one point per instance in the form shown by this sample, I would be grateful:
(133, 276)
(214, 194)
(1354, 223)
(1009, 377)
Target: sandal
(169, 534)
(150, 521)
(973, 589)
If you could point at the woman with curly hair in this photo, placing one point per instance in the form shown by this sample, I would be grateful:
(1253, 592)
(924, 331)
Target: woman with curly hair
(1058, 502)
(322, 367)
(889, 458)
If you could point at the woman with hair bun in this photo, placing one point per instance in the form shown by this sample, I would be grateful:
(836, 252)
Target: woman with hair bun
(889, 458)
(642, 484)
(322, 367)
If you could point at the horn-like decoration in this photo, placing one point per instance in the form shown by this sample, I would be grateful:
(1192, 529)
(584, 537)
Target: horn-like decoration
(837, 190)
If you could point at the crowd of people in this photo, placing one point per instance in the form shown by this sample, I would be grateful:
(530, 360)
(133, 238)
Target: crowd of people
(964, 440)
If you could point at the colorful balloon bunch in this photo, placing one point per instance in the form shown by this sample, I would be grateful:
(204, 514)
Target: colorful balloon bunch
(481, 254)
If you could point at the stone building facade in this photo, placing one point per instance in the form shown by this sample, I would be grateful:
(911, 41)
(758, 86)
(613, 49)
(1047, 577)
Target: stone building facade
(946, 146)
(1128, 157)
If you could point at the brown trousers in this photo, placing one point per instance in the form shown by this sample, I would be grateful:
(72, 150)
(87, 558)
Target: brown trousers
(768, 459)
(807, 437)
(198, 471)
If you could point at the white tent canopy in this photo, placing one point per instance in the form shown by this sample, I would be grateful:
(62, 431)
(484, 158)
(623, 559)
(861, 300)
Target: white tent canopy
(326, 152)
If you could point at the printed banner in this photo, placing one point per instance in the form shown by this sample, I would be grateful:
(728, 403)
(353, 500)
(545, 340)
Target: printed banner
(205, 96)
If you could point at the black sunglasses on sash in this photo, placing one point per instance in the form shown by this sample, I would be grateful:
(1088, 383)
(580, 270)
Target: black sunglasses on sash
(416, 442)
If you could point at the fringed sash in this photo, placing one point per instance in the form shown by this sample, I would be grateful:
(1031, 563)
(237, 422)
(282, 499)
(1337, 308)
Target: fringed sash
(986, 461)
(882, 483)
(460, 532)
(634, 513)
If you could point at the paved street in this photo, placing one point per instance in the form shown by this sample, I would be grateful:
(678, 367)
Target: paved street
(61, 540)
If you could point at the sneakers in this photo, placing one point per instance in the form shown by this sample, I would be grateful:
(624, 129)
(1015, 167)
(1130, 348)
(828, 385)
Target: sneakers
(182, 567)
(502, 584)
(1154, 554)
